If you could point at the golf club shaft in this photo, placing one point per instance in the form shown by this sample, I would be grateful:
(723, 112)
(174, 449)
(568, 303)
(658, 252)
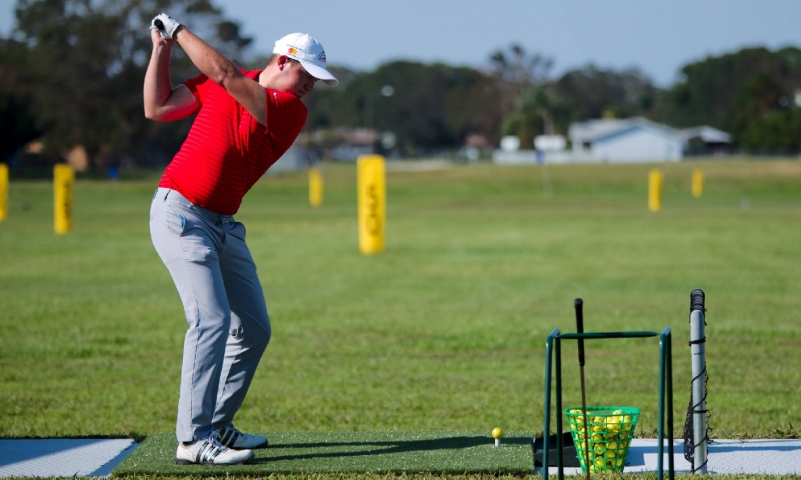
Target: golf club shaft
(579, 304)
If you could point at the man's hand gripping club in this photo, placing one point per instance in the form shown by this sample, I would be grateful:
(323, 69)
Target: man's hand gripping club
(165, 25)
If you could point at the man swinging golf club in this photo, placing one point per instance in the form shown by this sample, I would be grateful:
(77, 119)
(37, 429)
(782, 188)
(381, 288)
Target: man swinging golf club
(245, 121)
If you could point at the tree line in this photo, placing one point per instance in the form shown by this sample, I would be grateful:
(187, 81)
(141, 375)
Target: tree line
(71, 73)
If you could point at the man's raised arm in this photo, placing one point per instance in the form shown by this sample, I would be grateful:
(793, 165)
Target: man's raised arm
(217, 67)
(163, 103)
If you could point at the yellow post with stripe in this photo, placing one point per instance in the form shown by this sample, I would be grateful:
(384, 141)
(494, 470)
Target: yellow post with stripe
(698, 182)
(3, 191)
(371, 181)
(315, 187)
(63, 180)
(655, 182)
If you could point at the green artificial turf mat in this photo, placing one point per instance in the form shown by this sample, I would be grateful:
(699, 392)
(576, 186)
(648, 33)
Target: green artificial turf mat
(382, 452)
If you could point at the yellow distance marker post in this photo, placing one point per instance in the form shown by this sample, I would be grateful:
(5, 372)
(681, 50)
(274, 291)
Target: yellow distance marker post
(315, 187)
(698, 182)
(371, 181)
(655, 181)
(63, 180)
(3, 191)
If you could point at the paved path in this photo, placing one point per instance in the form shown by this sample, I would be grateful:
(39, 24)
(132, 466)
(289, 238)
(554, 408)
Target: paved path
(770, 457)
(62, 457)
(98, 457)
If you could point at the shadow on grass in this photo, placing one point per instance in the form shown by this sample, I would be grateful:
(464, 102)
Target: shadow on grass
(385, 447)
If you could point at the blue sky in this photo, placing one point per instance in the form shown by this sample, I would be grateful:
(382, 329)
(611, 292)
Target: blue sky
(656, 36)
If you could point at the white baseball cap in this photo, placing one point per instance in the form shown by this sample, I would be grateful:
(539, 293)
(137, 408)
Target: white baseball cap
(309, 52)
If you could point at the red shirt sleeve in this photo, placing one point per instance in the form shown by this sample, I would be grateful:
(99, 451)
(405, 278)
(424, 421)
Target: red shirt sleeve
(195, 85)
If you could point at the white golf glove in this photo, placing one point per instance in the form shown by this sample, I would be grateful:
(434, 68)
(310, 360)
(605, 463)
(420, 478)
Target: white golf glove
(165, 24)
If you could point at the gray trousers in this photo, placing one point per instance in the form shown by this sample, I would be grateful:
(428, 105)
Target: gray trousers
(229, 327)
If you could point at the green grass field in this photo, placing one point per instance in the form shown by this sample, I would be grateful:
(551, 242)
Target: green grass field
(445, 330)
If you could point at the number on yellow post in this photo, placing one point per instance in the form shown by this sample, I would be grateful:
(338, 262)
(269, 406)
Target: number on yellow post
(371, 181)
(63, 180)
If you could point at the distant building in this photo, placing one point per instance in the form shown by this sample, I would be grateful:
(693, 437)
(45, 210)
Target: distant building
(294, 159)
(547, 148)
(628, 140)
(705, 140)
(625, 141)
(348, 144)
(511, 154)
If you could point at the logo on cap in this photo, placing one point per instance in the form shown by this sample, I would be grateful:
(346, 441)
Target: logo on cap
(321, 56)
(292, 51)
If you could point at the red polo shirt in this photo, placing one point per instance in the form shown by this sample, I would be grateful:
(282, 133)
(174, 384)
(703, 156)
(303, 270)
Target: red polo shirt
(227, 150)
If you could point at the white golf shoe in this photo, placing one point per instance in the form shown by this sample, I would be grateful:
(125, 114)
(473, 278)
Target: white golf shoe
(209, 451)
(233, 438)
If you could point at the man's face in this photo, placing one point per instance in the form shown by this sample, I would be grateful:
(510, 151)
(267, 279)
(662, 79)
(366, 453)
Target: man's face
(298, 80)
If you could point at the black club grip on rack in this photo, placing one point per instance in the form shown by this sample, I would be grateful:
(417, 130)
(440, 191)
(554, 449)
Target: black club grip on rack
(579, 304)
(697, 300)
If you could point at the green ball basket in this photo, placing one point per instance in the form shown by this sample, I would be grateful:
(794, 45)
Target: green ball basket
(610, 432)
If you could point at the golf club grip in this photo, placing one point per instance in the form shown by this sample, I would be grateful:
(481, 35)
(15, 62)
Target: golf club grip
(579, 304)
(159, 24)
(697, 298)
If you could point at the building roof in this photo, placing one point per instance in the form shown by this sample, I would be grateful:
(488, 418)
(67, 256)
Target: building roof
(707, 134)
(595, 130)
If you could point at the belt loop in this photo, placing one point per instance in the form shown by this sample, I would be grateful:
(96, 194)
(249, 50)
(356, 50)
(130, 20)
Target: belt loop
(167, 194)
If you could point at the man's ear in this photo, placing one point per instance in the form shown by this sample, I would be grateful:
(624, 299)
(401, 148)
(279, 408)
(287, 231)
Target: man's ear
(283, 62)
